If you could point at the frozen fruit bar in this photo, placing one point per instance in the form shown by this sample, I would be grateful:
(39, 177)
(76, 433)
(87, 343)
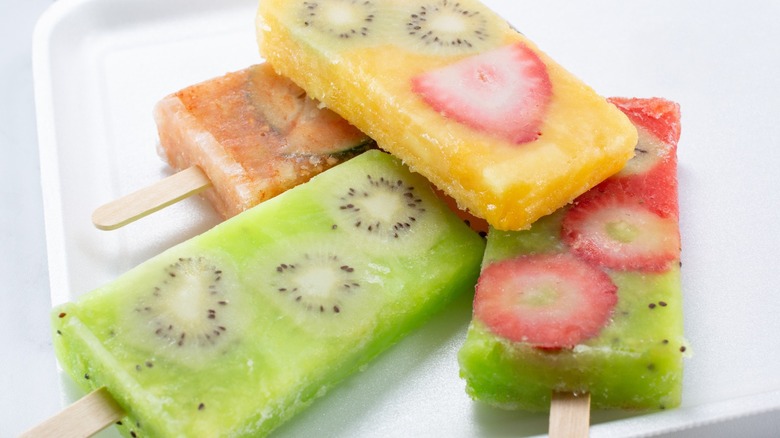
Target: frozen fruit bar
(589, 299)
(453, 90)
(254, 134)
(234, 331)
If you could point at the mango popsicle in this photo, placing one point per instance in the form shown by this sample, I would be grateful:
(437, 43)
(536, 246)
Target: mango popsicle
(234, 331)
(589, 299)
(456, 93)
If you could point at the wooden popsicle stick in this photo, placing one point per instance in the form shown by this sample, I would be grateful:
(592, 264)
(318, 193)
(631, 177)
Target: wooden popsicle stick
(86, 417)
(569, 415)
(161, 194)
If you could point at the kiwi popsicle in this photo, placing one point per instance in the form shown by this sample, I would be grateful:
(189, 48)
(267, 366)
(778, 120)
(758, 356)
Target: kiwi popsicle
(234, 331)
(589, 299)
(456, 93)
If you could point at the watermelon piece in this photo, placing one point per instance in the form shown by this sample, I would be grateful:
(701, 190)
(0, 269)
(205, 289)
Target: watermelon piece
(651, 175)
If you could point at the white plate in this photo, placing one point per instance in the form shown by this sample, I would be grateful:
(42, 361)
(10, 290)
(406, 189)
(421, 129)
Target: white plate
(101, 65)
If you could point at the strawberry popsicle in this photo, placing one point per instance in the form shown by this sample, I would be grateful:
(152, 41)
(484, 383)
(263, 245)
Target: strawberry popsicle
(589, 299)
(458, 94)
(233, 332)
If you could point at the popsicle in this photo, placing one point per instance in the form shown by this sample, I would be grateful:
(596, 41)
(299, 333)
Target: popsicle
(234, 331)
(238, 140)
(254, 134)
(455, 92)
(589, 299)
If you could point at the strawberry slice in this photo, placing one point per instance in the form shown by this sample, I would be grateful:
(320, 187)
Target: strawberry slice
(617, 231)
(547, 300)
(504, 92)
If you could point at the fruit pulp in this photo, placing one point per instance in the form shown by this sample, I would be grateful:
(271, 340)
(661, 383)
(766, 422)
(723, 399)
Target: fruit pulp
(517, 354)
(456, 93)
(254, 134)
(234, 331)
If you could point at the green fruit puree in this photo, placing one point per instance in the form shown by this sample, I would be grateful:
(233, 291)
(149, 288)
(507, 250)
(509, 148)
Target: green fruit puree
(267, 354)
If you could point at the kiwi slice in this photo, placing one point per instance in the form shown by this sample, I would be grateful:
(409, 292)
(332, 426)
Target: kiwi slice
(451, 27)
(381, 206)
(317, 282)
(649, 151)
(189, 312)
(384, 206)
(340, 19)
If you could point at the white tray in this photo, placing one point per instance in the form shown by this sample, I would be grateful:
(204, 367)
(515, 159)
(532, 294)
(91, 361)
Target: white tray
(101, 65)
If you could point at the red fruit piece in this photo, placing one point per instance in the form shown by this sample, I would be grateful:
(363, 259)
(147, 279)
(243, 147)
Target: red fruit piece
(617, 231)
(649, 152)
(660, 116)
(504, 92)
(652, 174)
(548, 300)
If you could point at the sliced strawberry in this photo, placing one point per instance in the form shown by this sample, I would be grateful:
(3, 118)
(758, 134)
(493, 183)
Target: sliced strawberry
(504, 92)
(617, 231)
(548, 300)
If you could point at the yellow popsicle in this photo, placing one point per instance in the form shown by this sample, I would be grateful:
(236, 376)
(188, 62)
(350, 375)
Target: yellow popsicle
(458, 94)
